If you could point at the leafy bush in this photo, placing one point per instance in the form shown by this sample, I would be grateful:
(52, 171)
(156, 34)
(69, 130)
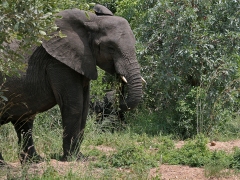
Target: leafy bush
(193, 153)
(235, 161)
(22, 20)
(144, 122)
(189, 52)
(27, 23)
(128, 156)
(217, 164)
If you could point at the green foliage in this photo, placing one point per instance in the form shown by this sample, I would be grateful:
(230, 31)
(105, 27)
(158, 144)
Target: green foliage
(8, 140)
(167, 144)
(189, 52)
(218, 164)
(130, 156)
(99, 86)
(134, 10)
(22, 20)
(187, 121)
(147, 122)
(24, 24)
(196, 154)
(193, 153)
(50, 172)
(235, 161)
(51, 142)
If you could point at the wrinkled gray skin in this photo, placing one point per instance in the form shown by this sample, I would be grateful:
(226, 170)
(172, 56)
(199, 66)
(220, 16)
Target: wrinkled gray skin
(59, 72)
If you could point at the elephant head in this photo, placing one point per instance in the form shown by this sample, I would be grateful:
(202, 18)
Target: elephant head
(98, 39)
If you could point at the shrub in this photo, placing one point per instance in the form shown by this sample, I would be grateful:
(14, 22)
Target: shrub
(193, 153)
(189, 52)
(235, 162)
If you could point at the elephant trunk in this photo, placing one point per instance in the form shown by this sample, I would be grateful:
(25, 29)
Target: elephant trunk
(134, 88)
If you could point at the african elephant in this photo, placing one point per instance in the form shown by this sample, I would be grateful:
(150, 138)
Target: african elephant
(59, 72)
(107, 108)
(1, 160)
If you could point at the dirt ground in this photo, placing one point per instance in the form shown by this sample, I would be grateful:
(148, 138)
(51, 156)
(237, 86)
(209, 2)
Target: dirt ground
(177, 172)
(172, 172)
(163, 172)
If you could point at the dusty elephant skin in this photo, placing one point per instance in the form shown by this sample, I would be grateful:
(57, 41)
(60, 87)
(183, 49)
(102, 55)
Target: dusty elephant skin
(59, 72)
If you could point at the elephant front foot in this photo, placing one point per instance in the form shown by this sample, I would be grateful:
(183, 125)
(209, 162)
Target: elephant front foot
(79, 157)
(26, 158)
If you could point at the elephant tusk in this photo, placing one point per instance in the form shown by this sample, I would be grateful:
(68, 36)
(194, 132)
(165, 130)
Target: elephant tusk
(143, 80)
(124, 79)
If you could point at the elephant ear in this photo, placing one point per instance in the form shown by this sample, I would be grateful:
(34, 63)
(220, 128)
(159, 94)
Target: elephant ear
(73, 47)
(102, 10)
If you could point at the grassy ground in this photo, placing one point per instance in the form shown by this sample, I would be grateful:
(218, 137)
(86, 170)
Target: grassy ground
(121, 155)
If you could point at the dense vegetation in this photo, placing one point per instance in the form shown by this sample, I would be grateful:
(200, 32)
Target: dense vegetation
(189, 52)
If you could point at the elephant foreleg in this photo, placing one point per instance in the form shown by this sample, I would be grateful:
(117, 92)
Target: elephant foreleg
(71, 91)
(74, 121)
(25, 141)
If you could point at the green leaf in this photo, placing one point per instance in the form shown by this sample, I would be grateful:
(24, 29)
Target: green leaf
(87, 15)
(42, 32)
(92, 4)
(4, 98)
(5, 4)
(54, 28)
(61, 35)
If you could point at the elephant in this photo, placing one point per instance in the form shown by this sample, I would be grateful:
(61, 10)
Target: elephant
(59, 72)
(108, 109)
(1, 160)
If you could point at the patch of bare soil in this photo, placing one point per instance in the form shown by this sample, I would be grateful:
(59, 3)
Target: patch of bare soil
(217, 145)
(59, 167)
(171, 172)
